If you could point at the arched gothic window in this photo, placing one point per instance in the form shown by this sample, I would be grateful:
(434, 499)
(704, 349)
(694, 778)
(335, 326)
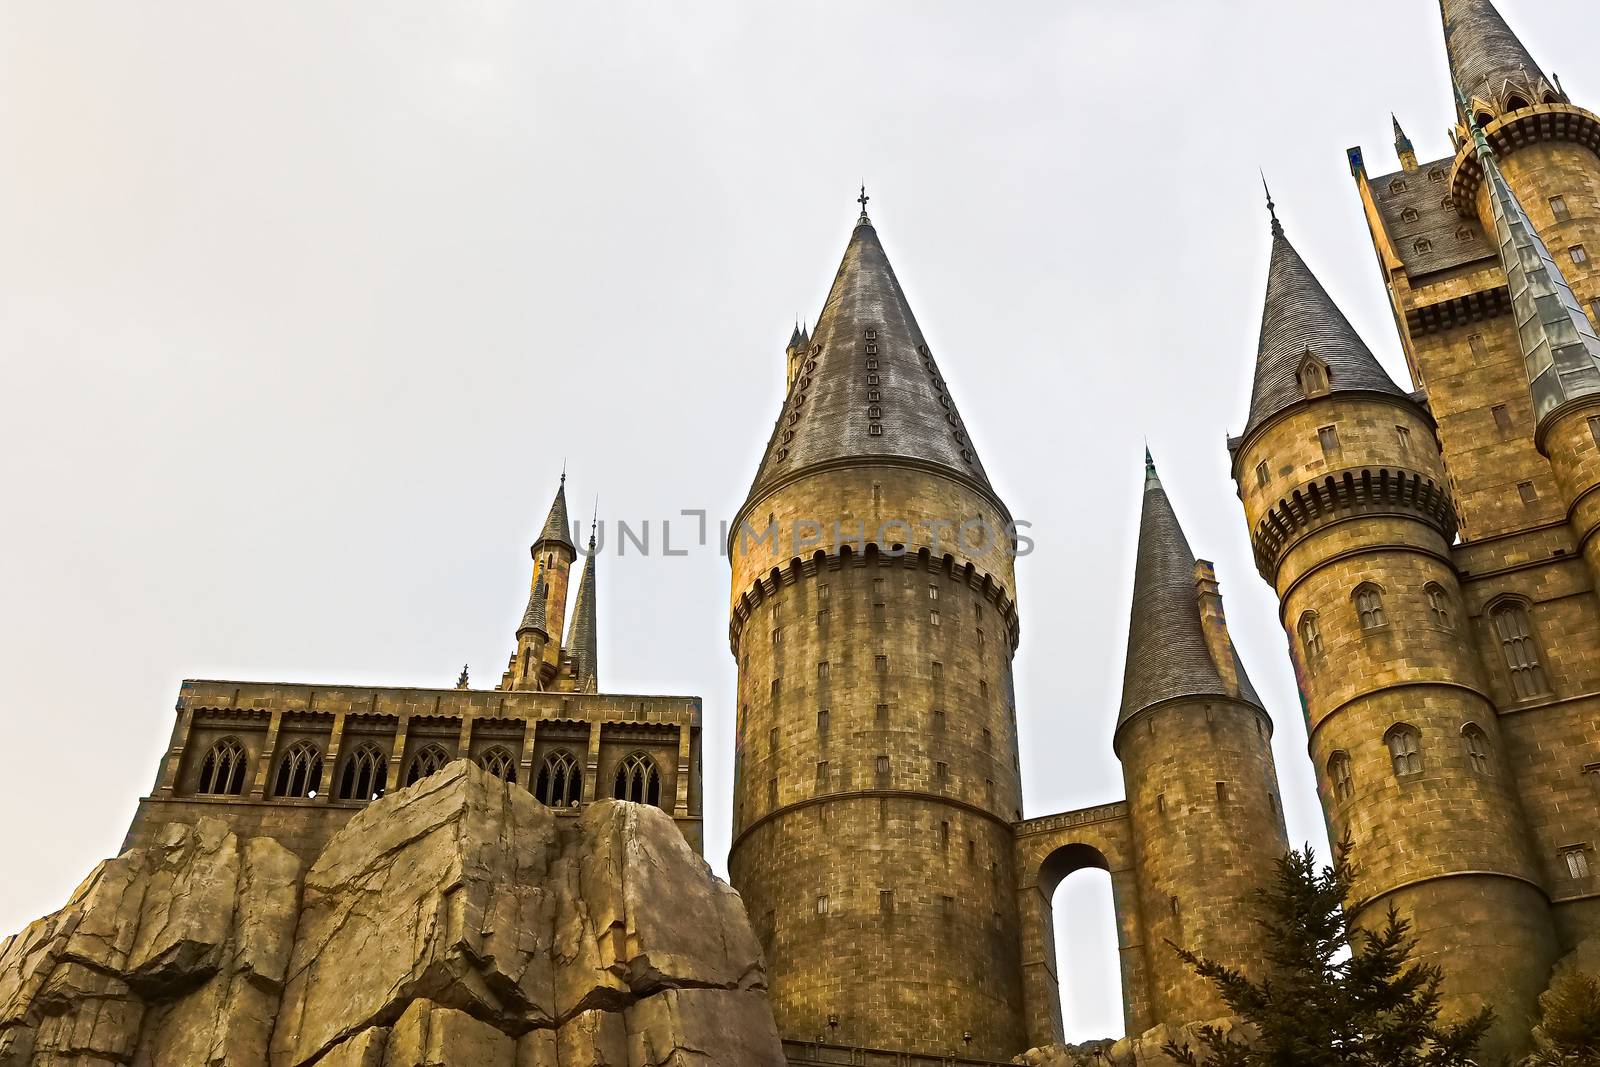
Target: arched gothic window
(499, 761)
(638, 780)
(1369, 606)
(1476, 742)
(299, 771)
(1405, 748)
(1311, 638)
(366, 773)
(1516, 103)
(1515, 630)
(429, 760)
(222, 773)
(559, 783)
(1314, 377)
(1438, 606)
(1344, 783)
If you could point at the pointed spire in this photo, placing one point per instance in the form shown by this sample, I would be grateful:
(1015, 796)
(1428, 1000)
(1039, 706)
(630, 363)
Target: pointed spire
(862, 200)
(583, 640)
(461, 681)
(1168, 657)
(535, 617)
(805, 335)
(1152, 480)
(1487, 61)
(1301, 319)
(873, 389)
(556, 527)
(1272, 208)
(1559, 345)
(1403, 147)
(794, 335)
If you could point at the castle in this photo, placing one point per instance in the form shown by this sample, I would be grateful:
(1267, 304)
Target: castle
(1436, 555)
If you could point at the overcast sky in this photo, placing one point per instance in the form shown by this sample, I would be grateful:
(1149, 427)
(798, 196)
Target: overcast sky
(303, 304)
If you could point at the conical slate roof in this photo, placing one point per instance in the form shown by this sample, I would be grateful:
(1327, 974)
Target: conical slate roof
(1167, 653)
(536, 615)
(1487, 61)
(868, 387)
(1559, 345)
(583, 642)
(555, 524)
(1299, 318)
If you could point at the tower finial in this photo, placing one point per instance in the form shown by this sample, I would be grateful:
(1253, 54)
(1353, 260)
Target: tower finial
(563, 470)
(461, 682)
(594, 522)
(1152, 480)
(862, 200)
(1272, 208)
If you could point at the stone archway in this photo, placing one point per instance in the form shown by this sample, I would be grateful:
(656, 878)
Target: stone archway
(1047, 851)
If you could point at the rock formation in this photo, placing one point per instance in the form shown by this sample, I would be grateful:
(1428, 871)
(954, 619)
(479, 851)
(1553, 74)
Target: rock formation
(1142, 1051)
(455, 922)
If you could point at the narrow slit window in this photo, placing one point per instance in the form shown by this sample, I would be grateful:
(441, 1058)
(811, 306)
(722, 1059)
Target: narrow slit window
(1559, 209)
(1527, 492)
(1502, 419)
(1328, 437)
(1580, 255)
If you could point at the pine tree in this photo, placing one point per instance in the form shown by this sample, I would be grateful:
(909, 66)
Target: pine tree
(1333, 995)
(1568, 1034)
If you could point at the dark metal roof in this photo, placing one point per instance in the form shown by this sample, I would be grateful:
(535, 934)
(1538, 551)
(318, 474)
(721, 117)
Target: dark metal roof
(1558, 342)
(556, 525)
(1167, 653)
(583, 643)
(868, 386)
(1431, 241)
(1301, 317)
(534, 618)
(1487, 60)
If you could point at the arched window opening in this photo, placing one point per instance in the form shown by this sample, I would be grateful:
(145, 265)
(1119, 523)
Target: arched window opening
(498, 761)
(1476, 742)
(638, 780)
(1369, 606)
(1311, 639)
(1405, 748)
(559, 784)
(1439, 613)
(1313, 377)
(222, 773)
(1080, 919)
(1515, 630)
(365, 775)
(299, 771)
(1340, 775)
(1516, 103)
(1484, 118)
(430, 760)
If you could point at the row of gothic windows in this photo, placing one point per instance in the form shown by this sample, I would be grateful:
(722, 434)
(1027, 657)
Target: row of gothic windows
(1512, 625)
(1404, 743)
(559, 782)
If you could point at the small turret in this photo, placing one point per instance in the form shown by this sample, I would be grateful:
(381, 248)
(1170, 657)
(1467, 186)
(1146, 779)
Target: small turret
(1196, 751)
(1495, 71)
(1403, 147)
(583, 646)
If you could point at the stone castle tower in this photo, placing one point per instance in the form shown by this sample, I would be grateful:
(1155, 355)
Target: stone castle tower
(878, 839)
(1428, 548)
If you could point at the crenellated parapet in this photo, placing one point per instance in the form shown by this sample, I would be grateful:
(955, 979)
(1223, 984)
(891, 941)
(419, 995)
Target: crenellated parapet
(1550, 123)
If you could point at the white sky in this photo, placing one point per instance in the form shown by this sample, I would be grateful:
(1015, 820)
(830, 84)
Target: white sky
(303, 304)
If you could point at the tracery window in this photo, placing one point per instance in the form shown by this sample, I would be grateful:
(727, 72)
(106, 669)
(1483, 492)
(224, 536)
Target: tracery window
(299, 771)
(1311, 638)
(1515, 630)
(1438, 606)
(1369, 606)
(1344, 783)
(1476, 743)
(365, 774)
(638, 780)
(1405, 748)
(498, 761)
(222, 773)
(430, 760)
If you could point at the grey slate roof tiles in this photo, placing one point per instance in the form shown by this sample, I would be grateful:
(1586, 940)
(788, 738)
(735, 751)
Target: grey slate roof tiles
(1431, 241)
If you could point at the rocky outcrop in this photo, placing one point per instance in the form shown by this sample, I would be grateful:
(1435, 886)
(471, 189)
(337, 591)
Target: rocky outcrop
(455, 922)
(1142, 1051)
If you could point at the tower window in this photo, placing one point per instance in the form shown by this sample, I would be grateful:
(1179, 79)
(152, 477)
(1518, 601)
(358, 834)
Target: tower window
(933, 618)
(1161, 803)
(886, 900)
(944, 834)
(1577, 859)
(299, 771)
(1344, 783)
(988, 738)
(1527, 492)
(874, 429)
(1403, 436)
(1594, 420)
(933, 592)
(938, 720)
(822, 673)
(883, 766)
(823, 594)
(1559, 209)
(1328, 437)
(1311, 639)
(1261, 473)
(822, 904)
(1476, 744)
(1438, 606)
(558, 783)
(822, 721)
(988, 790)
(777, 683)
(772, 740)
(1172, 905)
(1579, 255)
(772, 793)
(365, 773)
(1502, 419)
(1475, 343)
(1405, 749)
(822, 776)
(1222, 792)
(1313, 377)
(1515, 630)
(1369, 607)
(430, 760)
(882, 712)
(498, 761)
(941, 773)
(938, 671)
(777, 635)
(638, 780)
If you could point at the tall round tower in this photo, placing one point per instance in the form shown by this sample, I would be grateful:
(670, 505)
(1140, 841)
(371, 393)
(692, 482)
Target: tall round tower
(873, 624)
(1196, 750)
(1351, 520)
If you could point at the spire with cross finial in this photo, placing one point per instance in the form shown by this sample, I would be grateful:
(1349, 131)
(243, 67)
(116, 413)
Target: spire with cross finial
(862, 200)
(461, 682)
